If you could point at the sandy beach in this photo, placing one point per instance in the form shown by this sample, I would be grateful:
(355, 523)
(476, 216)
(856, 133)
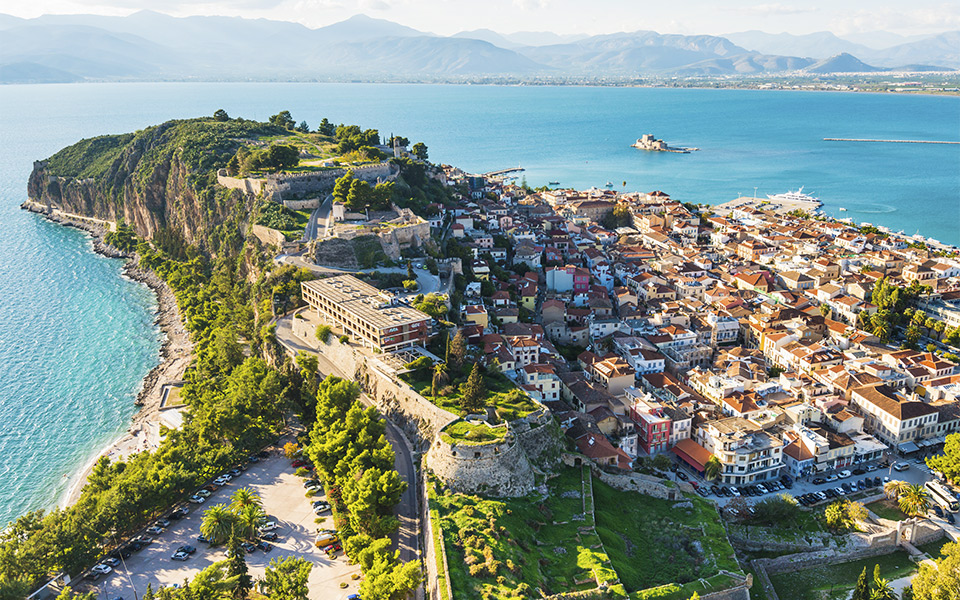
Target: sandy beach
(176, 353)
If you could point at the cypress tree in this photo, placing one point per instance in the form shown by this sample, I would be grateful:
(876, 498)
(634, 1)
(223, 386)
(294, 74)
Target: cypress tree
(473, 391)
(862, 591)
(238, 568)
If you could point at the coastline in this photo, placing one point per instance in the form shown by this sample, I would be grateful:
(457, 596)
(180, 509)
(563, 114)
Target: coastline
(176, 353)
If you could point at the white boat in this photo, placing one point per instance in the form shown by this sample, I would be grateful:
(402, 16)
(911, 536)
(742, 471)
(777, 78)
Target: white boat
(797, 196)
(842, 209)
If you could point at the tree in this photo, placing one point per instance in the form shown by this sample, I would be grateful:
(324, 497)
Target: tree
(473, 392)
(220, 115)
(217, 523)
(283, 119)
(662, 462)
(244, 497)
(862, 591)
(942, 581)
(420, 150)
(411, 274)
(882, 590)
(286, 578)
(824, 310)
(323, 333)
(282, 156)
(712, 469)
(440, 377)
(303, 127)
(233, 166)
(385, 577)
(326, 127)
(458, 349)
(913, 334)
(843, 514)
(237, 568)
(894, 488)
(914, 500)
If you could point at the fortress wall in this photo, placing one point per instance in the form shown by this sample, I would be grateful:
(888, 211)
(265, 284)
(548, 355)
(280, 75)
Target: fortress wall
(499, 470)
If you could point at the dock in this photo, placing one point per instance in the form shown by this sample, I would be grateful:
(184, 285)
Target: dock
(503, 172)
(889, 141)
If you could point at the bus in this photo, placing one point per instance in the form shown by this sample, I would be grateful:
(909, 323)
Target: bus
(941, 495)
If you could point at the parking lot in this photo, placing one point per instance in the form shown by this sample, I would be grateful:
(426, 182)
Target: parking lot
(917, 473)
(284, 501)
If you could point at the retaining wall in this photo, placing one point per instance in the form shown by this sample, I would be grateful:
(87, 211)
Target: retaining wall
(248, 184)
(268, 236)
(310, 204)
(628, 482)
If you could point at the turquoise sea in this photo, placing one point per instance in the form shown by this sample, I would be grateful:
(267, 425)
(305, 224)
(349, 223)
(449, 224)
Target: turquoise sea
(76, 339)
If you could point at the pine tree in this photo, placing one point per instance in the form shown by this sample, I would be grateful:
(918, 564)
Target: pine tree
(238, 568)
(473, 390)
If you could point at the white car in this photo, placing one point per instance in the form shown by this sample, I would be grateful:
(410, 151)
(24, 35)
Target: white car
(102, 569)
(222, 480)
(269, 526)
(197, 499)
(901, 466)
(204, 493)
(844, 474)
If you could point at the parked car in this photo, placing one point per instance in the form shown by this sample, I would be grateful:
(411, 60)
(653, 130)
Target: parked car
(102, 568)
(195, 499)
(319, 510)
(253, 458)
(818, 481)
(298, 463)
(269, 526)
(901, 466)
(264, 546)
(831, 478)
(180, 512)
(142, 539)
(840, 491)
(154, 530)
(186, 548)
(871, 468)
(180, 556)
(682, 476)
(235, 472)
(92, 576)
(269, 536)
(859, 471)
(311, 483)
(203, 538)
(733, 491)
(112, 561)
(761, 488)
(248, 547)
(949, 517)
(937, 510)
(332, 548)
(843, 474)
(716, 490)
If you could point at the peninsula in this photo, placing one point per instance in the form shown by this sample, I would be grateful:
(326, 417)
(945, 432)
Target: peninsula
(617, 395)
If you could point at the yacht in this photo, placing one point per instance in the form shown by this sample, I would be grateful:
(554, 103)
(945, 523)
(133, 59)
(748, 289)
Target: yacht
(797, 196)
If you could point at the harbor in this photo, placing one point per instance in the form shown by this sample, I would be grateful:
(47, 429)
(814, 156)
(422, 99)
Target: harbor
(778, 203)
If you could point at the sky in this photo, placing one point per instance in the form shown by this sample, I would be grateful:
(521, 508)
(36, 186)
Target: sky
(446, 17)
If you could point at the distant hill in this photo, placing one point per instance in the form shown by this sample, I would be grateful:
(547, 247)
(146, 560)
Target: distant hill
(822, 44)
(148, 45)
(841, 63)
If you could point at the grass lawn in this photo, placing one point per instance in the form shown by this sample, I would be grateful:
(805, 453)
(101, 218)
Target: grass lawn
(462, 432)
(501, 548)
(651, 543)
(509, 401)
(831, 582)
(887, 509)
(934, 548)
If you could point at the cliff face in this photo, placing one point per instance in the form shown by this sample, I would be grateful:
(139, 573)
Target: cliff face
(160, 178)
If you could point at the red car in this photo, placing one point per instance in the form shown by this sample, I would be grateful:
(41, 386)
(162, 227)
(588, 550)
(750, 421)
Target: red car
(299, 463)
(331, 548)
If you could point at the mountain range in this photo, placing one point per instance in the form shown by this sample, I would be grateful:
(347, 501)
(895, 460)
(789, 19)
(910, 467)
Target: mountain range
(153, 46)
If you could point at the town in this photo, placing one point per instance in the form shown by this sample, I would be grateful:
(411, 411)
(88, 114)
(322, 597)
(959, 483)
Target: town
(736, 350)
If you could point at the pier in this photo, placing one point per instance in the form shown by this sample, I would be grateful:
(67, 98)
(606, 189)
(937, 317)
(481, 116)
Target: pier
(889, 141)
(504, 172)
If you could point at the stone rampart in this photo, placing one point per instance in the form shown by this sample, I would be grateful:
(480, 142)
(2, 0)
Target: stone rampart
(297, 184)
(539, 436)
(268, 236)
(496, 469)
(247, 184)
(309, 204)
(628, 482)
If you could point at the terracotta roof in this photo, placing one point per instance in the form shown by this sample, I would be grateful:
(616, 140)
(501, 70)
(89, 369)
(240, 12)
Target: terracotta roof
(692, 453)
(885, 398)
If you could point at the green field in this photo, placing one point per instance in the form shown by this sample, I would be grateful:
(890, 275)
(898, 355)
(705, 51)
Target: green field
(509, 548)
(652, 543)
(502, 394)
(462, 432)
(887, 509)
(834, 582)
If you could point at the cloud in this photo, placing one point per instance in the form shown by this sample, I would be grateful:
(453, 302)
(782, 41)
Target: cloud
(771, 10)
(531, 4)
(922, 20)
(375, 5)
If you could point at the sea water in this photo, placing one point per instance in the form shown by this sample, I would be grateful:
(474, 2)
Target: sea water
(76, 339)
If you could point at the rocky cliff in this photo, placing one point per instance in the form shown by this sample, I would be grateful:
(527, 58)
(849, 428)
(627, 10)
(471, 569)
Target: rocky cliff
(159, 178)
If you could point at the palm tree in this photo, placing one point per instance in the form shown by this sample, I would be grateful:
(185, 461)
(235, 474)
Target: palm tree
(244, 497)
(881, 327)
(894, 488)
(914, 500)
(712, 469)
(440, 377)
(217, 523)
(882, 590)
(249, 520)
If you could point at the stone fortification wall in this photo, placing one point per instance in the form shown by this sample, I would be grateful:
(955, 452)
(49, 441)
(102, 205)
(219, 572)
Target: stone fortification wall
(540, 438)
(310, 204)
(248, 184)
(420, 419)
(323, 181)
(268, 236)
(629, 482)
(498, 469)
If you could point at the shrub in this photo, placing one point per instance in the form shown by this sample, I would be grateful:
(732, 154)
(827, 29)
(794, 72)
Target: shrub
(344, 339)
(302, 472)
(311, 493)
(323, 333)
(291, 450)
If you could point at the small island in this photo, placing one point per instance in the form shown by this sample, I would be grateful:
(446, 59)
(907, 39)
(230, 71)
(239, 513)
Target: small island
(648, 142)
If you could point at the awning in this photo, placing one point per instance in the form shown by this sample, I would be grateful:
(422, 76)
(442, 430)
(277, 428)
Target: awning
(692, 453)
(907, 447)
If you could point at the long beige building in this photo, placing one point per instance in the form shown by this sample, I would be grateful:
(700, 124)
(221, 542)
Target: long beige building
(370, 316)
